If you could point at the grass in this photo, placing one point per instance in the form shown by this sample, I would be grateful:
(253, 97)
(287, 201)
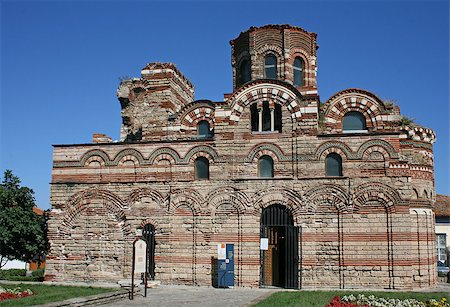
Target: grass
(49, 293)
(321, 298)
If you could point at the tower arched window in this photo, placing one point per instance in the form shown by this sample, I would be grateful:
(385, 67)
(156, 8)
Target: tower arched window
(201, 168)
(265, 167)
(244, 72)
(354, 121)
(333, 165)
(299, 67)
(254, 116)
(203, 129)
(265, 117)
(270, 66)
(266, 120)
(277, 118)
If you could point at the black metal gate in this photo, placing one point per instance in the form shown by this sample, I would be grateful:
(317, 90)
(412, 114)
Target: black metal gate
(279, 263)
(148, 233)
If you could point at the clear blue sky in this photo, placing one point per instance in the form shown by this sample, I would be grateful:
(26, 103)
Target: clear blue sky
(61, 63)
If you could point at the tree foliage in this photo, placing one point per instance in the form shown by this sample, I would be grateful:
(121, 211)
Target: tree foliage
(22, 231)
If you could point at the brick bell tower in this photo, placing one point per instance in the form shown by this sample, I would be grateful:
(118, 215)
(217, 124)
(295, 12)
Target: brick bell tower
(280, 52)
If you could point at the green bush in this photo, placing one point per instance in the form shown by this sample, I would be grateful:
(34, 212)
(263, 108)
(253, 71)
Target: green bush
(38, 273)
(6, 274)
(20, 275)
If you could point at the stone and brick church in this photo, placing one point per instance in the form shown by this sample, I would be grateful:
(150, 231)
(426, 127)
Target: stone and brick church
(342, 189)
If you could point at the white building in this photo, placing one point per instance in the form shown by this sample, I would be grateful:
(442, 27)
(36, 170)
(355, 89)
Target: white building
(442, 212)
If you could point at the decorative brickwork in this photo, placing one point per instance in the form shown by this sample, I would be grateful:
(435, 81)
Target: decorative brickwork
(283, 41)
(370, 225)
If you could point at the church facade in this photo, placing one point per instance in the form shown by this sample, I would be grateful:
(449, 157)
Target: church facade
(341, 189)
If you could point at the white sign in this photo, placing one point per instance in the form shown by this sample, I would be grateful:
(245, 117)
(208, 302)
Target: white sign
(221, 251)
(264, 244)
(140, 256)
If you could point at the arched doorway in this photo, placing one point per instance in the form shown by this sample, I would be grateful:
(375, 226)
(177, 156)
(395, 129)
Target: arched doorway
(279, 260)
(148, 234)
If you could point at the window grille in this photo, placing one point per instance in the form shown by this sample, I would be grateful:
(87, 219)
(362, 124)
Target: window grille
(441, 245)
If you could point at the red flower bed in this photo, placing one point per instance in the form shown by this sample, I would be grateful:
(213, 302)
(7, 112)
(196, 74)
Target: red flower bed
(10, 294)
(337, 302)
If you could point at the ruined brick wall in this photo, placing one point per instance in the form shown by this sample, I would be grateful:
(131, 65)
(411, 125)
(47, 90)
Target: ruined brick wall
(371, 227)
(149, 101)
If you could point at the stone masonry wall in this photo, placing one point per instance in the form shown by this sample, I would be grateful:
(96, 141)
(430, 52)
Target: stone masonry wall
(372, 227)
(349, 224)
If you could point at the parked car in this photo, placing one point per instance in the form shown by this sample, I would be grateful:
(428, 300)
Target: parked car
(442, 268)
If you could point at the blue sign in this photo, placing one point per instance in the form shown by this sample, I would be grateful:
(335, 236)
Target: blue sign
(225, 268)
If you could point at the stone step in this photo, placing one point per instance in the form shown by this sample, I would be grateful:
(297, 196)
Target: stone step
(153, 283)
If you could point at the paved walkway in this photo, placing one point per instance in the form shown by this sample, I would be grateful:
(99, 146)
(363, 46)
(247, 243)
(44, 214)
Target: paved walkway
(174, 296)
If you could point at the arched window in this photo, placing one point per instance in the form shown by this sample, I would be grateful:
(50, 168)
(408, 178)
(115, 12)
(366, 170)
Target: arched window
(266, 118)
(254, 117)
(270, 66)
(299, 66)
(265, 167)
(333, 165)
(201, 168)
(277, 118)
(354, 121)
(203, 129)
(244, 72)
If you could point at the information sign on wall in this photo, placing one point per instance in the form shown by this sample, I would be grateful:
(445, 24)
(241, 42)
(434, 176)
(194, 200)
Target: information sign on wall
(221, 251)
(264, 244)
(140, 256)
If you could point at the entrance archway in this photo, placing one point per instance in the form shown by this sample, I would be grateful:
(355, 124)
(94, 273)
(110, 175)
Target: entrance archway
(279, 262)
(148, 233)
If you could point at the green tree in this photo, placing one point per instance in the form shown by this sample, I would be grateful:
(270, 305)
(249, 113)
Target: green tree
(22, 232)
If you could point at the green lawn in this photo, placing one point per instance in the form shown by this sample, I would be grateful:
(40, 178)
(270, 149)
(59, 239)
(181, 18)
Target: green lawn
(47, 293)
(321, 298)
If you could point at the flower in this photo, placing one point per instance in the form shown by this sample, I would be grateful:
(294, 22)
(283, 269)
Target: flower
(6, 294)
(372, 301)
